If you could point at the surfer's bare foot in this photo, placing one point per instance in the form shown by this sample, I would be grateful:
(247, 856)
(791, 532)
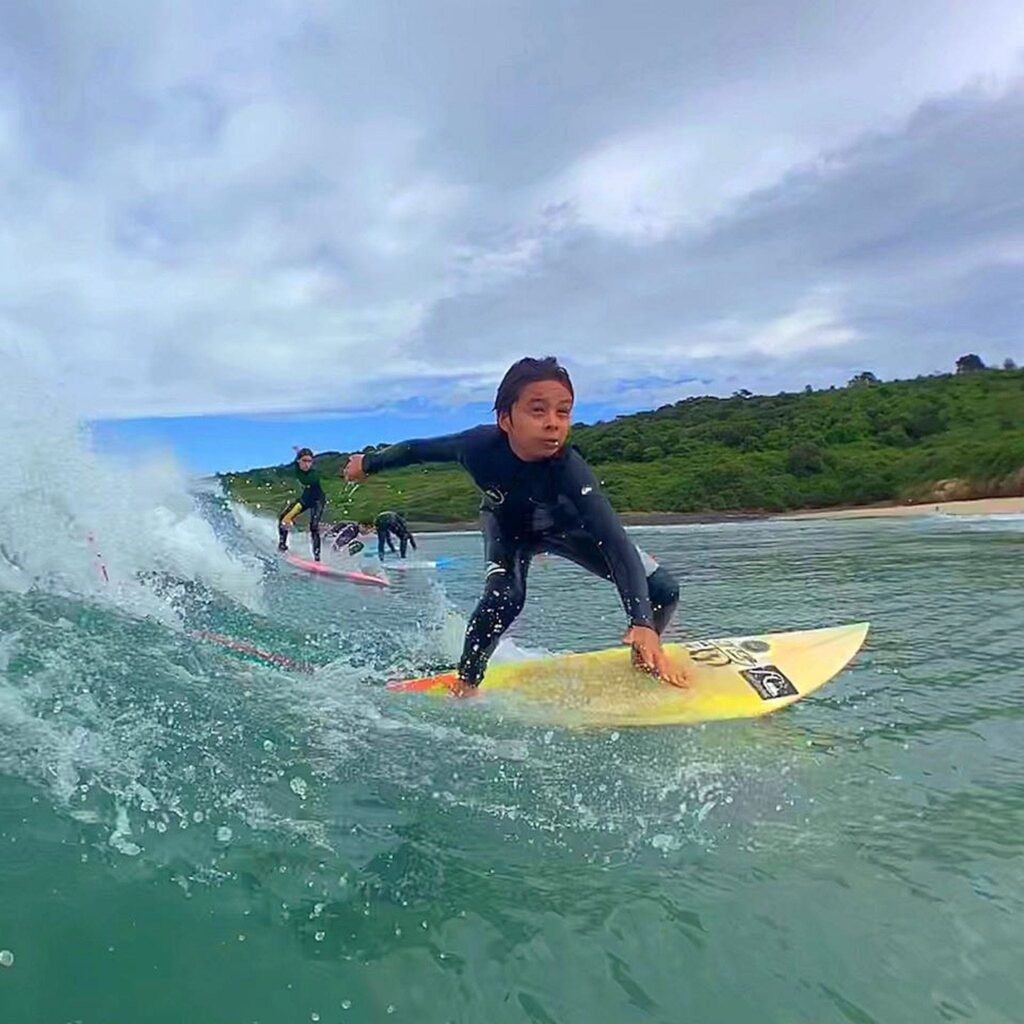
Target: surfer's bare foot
(649, 656)
(458, 688)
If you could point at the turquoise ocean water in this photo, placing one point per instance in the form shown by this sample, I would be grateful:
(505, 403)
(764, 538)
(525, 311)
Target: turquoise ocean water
(189, 834)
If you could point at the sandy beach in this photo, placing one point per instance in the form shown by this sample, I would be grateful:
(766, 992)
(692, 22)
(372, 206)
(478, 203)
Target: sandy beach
(973, 507)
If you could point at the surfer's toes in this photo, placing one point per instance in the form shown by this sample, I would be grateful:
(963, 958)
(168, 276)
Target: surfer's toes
(458, 688)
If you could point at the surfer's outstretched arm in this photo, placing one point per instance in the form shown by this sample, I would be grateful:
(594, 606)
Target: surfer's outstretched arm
(604, 526)
(649, 601)
(448, 448)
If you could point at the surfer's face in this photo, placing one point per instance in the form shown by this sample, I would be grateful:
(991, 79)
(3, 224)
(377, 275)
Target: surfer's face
(538, 423)
(305, 462)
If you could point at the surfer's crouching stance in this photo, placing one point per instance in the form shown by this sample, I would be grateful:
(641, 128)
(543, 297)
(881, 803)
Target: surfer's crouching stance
(539, 495)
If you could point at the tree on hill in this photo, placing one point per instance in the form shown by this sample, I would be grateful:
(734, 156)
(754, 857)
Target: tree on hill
(969, 363)
(805, 460)
(877, 440)
(862, 378)
(1009, 364)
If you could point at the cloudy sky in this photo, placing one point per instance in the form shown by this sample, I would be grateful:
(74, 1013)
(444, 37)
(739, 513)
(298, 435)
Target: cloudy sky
(343, 220)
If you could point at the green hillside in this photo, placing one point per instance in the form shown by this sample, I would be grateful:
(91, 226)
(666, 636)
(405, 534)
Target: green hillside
(934, 437)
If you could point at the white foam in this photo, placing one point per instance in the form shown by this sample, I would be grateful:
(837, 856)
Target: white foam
(76, 521)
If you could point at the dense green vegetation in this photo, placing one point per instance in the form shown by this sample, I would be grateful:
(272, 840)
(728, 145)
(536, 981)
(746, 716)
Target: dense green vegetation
(942, 436)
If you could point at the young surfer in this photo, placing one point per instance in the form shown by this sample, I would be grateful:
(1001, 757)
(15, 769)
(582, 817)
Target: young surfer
(311, 498)
(539, 495)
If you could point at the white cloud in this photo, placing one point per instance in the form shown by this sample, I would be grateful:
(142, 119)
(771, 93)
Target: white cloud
(202, 213)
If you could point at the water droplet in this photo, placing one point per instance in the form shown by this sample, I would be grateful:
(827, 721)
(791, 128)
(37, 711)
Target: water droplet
(299, 787)
(224, 834)
(346, 1004)
(6, 958)
(319, 936)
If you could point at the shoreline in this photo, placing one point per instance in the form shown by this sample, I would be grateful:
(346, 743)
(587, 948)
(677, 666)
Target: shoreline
(968, 507)
(628, 519)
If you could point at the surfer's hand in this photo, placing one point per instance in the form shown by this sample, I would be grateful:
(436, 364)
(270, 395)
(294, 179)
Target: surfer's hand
(353, 470)
(650, 656)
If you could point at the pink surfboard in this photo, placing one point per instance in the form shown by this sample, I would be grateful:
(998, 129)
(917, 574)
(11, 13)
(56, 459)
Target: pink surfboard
(319, 569)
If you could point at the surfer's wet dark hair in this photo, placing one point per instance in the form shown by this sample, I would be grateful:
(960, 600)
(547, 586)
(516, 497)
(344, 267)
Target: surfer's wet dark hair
(529, 371)
(304, 451)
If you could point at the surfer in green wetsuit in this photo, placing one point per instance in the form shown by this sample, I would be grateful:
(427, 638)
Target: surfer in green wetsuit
(540, 496)
(312, 499)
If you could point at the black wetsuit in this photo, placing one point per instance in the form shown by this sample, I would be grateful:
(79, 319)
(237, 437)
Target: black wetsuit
(392, 524)
(313, 499)
(554, 505)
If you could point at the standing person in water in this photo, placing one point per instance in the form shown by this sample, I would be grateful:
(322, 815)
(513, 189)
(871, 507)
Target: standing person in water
(393, 524)
(539, 495)
(312, 499)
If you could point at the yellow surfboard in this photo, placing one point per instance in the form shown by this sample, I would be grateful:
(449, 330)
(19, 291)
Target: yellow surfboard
(736, 677)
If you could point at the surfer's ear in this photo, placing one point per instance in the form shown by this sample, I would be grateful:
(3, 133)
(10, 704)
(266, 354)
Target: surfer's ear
(505, 420)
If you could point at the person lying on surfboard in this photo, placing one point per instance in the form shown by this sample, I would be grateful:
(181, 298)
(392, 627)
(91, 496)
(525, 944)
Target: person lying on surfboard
(344, 536)
(539, 495)
(311, 498)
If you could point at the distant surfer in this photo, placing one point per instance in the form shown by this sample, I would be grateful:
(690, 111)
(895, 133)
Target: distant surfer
(391, 526)
(341, 534)
(539, 495)
(345, 537)
(312, 499)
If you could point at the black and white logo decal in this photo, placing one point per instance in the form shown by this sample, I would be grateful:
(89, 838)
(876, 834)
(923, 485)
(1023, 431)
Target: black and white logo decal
(769, 682)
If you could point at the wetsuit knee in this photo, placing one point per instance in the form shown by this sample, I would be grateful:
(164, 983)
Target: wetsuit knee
(503, 599)
(664, 592)
(288, 513)
(506, 591)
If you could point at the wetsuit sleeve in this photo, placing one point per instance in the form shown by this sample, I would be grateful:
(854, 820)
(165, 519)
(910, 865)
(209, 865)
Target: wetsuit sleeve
(601, 522)
(449, 448)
